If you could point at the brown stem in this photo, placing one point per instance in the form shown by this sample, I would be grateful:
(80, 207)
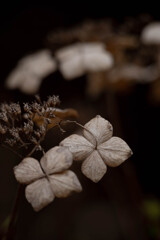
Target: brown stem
(9, 234)
(12, 150)
(10, 231)
(80, 125)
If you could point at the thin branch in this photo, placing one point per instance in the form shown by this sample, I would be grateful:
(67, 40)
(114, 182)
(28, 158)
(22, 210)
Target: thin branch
(38, 143)
(80, 125)
(9, 234)
(12, 150)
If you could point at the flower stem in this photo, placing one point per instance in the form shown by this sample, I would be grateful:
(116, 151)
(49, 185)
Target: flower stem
(12, 150)
(10, 231)
(83, 127)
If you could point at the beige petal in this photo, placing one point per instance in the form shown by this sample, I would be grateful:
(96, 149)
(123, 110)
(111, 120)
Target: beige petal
(28, 171)
(93, 167)
(114, 152)
(78, 145)
(64, 183)
(99, 130)
(39, 194)
(57, 159)
(72, 68)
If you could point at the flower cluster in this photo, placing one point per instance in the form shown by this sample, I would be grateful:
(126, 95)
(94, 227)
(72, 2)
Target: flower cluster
(25, 126)
(97, 148)
(48, 178)
(51, 178)
(30, 71)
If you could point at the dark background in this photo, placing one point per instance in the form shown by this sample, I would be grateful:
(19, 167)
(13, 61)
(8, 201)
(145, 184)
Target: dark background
(113, 208)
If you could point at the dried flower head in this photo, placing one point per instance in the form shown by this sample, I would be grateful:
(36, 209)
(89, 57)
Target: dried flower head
(97, 148)
(27, 125)
(49, 178)
(80, 58)
(151, 33)
(30, 71)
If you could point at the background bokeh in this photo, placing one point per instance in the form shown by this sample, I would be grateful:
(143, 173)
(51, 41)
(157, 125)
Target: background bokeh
(125, 204)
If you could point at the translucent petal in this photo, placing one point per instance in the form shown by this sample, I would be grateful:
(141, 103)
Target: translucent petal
(64, 183)
(39, 194)
(99, 130)
(28, 171)
(78, 145)
(93, 167)
(114, 152)
(57, 159)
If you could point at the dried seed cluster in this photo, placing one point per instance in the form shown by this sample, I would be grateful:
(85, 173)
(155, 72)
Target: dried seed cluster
(22, 126)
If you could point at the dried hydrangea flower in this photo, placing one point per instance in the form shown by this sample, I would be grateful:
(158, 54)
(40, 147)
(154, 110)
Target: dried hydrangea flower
(30, 71)
(80, 58)
(49, 178)
(97, 148)
(151, 33)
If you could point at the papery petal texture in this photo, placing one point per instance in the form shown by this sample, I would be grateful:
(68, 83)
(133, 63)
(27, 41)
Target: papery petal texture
(78, 146)
(94, 167)
(28, 171)
(39, 194)
(57, 159)
(64, 183)
(99, 130)
(114, 152)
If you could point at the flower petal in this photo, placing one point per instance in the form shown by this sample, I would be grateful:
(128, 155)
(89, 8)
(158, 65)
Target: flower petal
(39, 194)
(71, 62)
(97, 61)
(28, 171)
(93, 167)
(99, 130)
(115, 151)
(57, 159)
(78, 146)
(64, 183)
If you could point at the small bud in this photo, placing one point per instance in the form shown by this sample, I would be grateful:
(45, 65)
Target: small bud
(3, 117)
(3, 129)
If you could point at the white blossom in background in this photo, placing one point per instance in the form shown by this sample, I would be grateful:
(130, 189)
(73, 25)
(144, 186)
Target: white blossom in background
(151, 33)
(80, 58)
(30, 71)
(48, 178)
(133, 72)
(97, 148)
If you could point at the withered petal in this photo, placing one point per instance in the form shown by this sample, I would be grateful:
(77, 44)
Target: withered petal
(57, 159)
(93, 167)
(114, 151)
(39, 194)
(63, 184)
(28, 171)
(78, 146)
(99, 130)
